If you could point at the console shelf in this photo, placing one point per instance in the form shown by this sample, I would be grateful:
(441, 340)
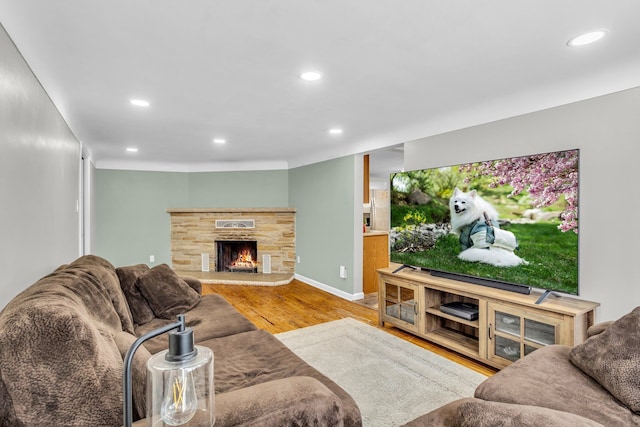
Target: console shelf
(436, 312)
(509, 325)
(460, 342)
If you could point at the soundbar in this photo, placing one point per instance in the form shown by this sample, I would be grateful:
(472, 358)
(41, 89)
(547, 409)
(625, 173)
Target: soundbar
(511, 287)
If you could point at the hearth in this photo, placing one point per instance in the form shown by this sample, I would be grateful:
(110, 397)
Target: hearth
(237, 256)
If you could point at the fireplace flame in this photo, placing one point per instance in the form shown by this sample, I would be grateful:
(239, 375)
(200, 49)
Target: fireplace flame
(244, 260)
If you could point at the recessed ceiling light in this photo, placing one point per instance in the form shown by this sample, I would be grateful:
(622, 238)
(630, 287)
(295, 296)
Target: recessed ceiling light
(139, 102)
(220, 141)
(311, 75)
(335, 131)
(132, 150)
(587, 38)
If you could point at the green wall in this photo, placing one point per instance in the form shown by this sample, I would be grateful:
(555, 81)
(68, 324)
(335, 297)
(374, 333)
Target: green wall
(132, 222)
(256, 189)
(131, 218)
(323, 195)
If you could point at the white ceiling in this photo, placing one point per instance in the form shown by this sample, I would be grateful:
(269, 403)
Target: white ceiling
(393, 71)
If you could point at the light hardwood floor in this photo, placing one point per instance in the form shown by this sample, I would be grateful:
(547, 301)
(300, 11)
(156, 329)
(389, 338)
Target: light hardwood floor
(297, 305)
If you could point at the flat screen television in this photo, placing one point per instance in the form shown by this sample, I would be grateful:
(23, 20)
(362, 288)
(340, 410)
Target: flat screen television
(509, 223)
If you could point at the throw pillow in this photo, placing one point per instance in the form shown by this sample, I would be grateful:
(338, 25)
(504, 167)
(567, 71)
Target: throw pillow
(612, 358)
(194, 283)
(168, 295)
(140, 310)
(480, 413)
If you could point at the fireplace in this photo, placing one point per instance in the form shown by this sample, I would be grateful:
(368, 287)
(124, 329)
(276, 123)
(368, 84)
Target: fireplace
(237, 256)
(196, 231)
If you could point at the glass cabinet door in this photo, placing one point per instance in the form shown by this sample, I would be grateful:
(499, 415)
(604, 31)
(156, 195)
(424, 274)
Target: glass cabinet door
(539, 332)
(507, 348)
(514, 333)
(507, 337)
(401, 303)
(507, 323)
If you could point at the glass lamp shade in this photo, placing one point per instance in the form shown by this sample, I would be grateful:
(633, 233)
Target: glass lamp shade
(181, 393)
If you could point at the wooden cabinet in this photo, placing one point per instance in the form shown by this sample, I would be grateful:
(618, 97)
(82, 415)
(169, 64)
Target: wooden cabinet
(375, 255)
(513, 332)
(509, 325)
(400, 304)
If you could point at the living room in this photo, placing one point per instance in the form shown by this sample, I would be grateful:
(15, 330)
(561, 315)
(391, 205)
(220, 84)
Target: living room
(55, 210)
(127, 219)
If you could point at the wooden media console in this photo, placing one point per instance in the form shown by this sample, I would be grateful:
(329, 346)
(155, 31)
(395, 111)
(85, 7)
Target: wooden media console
(509, 325)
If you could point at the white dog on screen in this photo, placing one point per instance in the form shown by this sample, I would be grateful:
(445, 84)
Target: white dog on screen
(479, 241)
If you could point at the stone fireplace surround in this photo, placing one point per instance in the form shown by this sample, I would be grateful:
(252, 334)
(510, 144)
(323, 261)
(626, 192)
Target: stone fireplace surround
(194, 232)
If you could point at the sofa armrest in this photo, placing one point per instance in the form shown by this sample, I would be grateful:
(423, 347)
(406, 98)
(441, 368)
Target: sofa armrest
(598, 328)
(193, 283)
(473, 412)
(444, 416)
(304, 400)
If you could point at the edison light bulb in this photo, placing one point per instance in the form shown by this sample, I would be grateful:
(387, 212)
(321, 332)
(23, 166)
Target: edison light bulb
(180, 383)
(180, 401)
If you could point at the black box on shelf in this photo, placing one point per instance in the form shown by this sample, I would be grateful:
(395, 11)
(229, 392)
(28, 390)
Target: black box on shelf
(464, 310)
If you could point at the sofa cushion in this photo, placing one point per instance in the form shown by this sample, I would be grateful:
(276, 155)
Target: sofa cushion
(213, 317)
(612, 358)
(598, 328)
(547, 378)
(315, 405)
(194, 283)
(256, 357)
(168, 295)
(105, 274)
(140, 309)
(124, 341)
(83, 286)
(59, 364)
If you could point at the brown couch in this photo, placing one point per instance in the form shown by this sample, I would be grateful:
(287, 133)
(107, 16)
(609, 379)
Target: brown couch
(596, 383)
(63, 339)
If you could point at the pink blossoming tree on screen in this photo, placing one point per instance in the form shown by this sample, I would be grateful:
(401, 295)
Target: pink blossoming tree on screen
(546, 177)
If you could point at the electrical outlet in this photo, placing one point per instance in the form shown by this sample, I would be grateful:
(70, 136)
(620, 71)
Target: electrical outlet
(298, 259)
(343, 272)
(152, 258)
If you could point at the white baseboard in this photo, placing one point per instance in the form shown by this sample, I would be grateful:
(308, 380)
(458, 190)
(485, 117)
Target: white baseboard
(330, 289)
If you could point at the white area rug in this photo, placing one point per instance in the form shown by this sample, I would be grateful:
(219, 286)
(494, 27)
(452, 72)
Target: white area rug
(391, 380)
